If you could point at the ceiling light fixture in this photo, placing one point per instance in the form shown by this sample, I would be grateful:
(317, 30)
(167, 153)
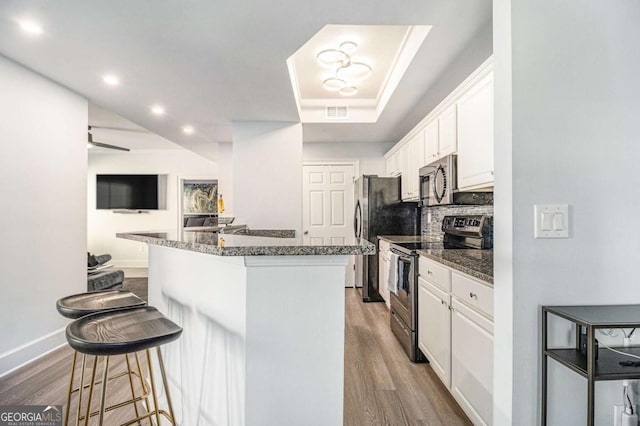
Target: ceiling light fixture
(349, 91)
(111, 80)
(188, 130)
(30, 27)
(346, 70)
(334, 84)
(157, 110)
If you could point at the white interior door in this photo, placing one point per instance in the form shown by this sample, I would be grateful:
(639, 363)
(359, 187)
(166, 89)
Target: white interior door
(327, 197)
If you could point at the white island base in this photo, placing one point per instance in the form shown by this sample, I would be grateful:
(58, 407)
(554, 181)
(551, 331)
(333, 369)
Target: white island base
(263, 340)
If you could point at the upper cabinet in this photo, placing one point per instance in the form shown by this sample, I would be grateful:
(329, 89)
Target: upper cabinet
(462, 124)
(448, 125)
(475, 136)
(432, 141)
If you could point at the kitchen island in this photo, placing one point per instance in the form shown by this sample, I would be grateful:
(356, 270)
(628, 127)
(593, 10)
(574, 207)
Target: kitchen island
(263, 320)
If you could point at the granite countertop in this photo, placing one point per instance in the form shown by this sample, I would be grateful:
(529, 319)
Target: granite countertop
(402, 238)
(477, 263)
(253, 243)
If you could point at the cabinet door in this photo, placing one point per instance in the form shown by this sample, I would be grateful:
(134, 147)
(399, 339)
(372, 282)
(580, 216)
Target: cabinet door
(448, 127)
(418, 157)
(383, 267)
(407, 175)
(389, 166)
(434, 329)
(431, 136)
(475, 135)
(472, 363)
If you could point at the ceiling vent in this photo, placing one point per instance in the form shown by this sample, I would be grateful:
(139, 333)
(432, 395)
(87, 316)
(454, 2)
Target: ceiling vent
(337, 112)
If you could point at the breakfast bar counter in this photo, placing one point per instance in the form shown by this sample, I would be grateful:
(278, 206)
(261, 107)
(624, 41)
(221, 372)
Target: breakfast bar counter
(263, 319)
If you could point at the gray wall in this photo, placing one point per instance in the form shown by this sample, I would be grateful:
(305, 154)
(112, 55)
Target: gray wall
(575, 105)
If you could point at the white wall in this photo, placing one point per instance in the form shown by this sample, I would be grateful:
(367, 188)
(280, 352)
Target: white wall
(104, 224)
(267, 175)
(369, 155)
(43, 169)
(575, 109)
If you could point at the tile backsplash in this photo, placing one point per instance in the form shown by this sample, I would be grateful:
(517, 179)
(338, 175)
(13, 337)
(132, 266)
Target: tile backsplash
(431, 229)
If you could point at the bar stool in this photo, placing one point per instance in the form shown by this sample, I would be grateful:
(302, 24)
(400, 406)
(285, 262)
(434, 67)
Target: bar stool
(121, 332)
(79, 305)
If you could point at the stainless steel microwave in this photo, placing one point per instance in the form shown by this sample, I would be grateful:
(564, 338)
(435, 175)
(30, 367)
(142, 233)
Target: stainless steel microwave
(438, 181)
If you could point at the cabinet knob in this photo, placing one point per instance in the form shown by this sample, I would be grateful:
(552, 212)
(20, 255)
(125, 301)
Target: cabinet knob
(429, 272)
(473, 296)
(306, 232)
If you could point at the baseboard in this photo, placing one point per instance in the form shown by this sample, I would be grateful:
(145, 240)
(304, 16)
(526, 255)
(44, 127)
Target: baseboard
(123, 263)
(29, 352)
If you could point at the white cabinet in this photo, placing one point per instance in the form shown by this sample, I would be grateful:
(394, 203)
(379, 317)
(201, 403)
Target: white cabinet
(455, 332)
(413, 154)
(462, 123)
(471, 362)
(383, 268)
(434, 328)
(432, 140)
(448, 129)
(441, 135)
(395, 163)
(475, 135)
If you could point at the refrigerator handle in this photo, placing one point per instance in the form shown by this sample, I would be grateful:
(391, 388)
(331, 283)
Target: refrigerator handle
(357, 220)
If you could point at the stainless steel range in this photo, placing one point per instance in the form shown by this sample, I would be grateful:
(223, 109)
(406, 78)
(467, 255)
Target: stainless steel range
(460, 232)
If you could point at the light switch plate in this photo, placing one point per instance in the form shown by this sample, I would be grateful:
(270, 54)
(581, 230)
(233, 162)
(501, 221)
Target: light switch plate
(551, 221)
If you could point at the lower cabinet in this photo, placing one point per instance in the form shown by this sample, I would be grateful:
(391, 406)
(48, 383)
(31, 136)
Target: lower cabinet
(455, 332)
(434, 329)
(383, 268)
(472, 362)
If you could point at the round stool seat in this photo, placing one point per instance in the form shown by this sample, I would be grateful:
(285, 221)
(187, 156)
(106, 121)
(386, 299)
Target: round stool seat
(121, 331)
(82, 304)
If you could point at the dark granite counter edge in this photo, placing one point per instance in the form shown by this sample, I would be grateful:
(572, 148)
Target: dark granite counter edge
(368, 249)
(465, 269)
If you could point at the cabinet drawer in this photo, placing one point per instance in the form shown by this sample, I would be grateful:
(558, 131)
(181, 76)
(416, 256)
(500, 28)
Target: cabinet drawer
(435, 273)
(473, 293)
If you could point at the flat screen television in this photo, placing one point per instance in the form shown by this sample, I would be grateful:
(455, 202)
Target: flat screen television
(131, 192)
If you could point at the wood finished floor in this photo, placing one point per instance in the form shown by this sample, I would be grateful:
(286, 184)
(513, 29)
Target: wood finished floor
(382, 387)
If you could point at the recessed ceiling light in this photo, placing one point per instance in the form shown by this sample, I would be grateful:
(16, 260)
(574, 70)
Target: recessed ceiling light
(111, 80)
(30, 27)
(188, 130)
(157, 110)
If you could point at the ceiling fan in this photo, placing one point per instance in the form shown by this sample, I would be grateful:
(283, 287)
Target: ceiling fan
(91, 142)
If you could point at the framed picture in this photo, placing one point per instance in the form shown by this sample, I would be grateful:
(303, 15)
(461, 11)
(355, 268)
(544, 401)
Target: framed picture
(200, 197)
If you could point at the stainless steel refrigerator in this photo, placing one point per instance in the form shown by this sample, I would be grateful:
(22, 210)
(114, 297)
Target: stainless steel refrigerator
(379, 211)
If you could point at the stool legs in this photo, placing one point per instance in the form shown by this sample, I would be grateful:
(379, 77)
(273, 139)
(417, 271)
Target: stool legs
(142, 383)
(153, 388)
(73, 369)
(104, 389)
(93, 381)
(165, 382)
(80, 389)
(133, 392)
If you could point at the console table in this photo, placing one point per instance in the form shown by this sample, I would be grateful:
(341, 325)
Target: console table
(607, 366)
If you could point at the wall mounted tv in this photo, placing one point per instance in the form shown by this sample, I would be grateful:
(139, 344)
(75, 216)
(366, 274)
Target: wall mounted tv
(130, 192)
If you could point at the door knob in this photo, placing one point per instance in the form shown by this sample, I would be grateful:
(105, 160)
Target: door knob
(306, 232)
